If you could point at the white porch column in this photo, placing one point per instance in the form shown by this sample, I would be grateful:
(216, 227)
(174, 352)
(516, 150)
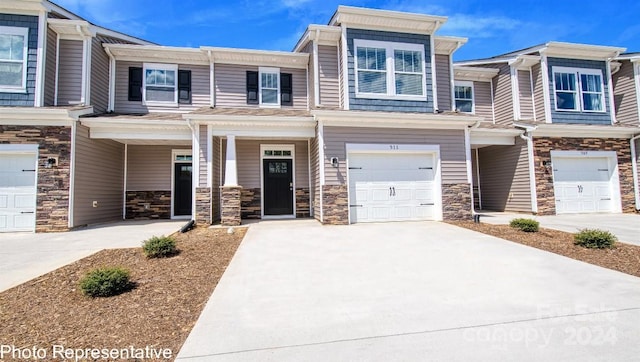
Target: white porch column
(231, 167)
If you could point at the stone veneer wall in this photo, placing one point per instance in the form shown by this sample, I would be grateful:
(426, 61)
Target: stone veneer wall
(203, 206)
(159, 205)
(303, 205)
(251, 203)
(231, 205)
(52, 198)
(335, 204)
(456, 201)
(544, 178)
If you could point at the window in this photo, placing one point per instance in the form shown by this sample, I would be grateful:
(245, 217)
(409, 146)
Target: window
(13, 58)
(463, 95)
(389, 70)
(159, 83)
(578, 89)
(269, 88)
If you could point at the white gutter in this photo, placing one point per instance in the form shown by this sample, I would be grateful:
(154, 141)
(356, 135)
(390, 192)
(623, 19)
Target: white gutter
(112, 81)
(545, 85)
(321, 164)
(345, 69)
(634, 167)
(527, 136)
(124, 181)
(41, 54)
(467, 148)
(72, 173)
(316, 69)
(195, 163)
(610, 90)
(212, 83)
(434, 82)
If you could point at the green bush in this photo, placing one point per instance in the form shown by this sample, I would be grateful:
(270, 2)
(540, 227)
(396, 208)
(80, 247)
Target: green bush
(594, 239)
(106, 282)
(159, 247)
(526, 225)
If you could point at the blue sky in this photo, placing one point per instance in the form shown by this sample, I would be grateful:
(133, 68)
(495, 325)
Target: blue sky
(492, 26)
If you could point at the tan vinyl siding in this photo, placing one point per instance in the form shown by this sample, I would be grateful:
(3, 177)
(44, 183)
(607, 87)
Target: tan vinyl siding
(203, 156)
(328, 69)
(99, 76)
(503, 96)
(452, 149)
(624, 94)
(231, 86)
(443, 79)
(70, 72)
(149, 167)
(538, 93)
(50, 69)
(99, 176)
(199, 90)
(526, 97)
(482, 99)
(504, 177)
(315, 176)
(215, 179)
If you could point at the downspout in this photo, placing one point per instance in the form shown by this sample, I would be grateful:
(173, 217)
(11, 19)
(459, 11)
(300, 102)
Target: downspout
(212, 82)
(72, 173)
(467, 146)
(610, 89)
(41, 56)
(124, 181)
(195, 162)
(321, 164)
(527, 136)
(316, 69)
(634, 167)
(112, 81)
(434, 81)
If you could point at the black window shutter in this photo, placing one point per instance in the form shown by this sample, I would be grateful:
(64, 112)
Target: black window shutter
(252, 87)
(286, 89)
(135, 84)
(184, 86)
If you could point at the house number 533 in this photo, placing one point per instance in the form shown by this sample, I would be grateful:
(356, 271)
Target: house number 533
(394, 147)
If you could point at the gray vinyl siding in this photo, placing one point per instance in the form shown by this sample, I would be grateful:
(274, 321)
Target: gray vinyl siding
(329, 76)
(99, 176)
(625, 96)
(504, 177)
(315, 176)
(50, 68)
(538, 93)
(502, 92)
(215, 179)
(443, 81)
(149, 167)
(451, 142)
(231, 86)
(99, 76)
(202, 157)
(389, 105)
(525, 95)
(70, 72)
(573, 116)
(23, 99)
(199, 90)
(482, 99)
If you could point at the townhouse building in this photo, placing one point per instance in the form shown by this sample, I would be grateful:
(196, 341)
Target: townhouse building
(367, 119)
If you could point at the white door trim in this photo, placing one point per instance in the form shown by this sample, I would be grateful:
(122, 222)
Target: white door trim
(279, 147)
(174, 153)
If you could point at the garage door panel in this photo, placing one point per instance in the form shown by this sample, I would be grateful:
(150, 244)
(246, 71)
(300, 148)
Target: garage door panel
(4, 201)
(24, 221)
(24, 201)
(3, 222)
(17, 191)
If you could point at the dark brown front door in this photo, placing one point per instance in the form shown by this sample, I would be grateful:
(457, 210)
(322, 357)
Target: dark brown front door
(278, 186)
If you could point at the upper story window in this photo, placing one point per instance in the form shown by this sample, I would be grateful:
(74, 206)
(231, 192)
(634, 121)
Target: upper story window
(463, 95)
(160, 83)
(389, 70)
(579, 89)
(269, 88)
(13, 59)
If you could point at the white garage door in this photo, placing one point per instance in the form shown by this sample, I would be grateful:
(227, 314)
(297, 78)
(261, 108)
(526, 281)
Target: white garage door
(391, 187)
(583, 185)
(17, 192)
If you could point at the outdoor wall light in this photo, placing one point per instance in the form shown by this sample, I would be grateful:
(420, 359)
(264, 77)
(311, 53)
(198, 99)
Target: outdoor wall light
(51, 162)
(334, 161)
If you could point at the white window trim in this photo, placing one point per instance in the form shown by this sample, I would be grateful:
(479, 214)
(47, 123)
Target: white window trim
(12, 30)
(464, 83)
(390, 69)
(580, 102)
(262, 70)
(159, 66)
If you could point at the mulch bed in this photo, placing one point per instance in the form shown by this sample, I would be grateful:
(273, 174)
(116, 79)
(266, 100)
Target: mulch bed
(160, 312)
(622, 257)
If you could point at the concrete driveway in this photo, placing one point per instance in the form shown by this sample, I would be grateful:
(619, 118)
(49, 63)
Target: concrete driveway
(24, 256)
(625, 226)
(299, 291)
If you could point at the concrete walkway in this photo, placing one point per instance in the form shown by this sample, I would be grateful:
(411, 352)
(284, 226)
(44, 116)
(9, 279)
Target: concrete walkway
(299, 291)
(24, 256)
(625, 226)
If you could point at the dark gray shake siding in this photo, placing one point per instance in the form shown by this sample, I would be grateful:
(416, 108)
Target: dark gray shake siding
(366, 104)
(23, 99)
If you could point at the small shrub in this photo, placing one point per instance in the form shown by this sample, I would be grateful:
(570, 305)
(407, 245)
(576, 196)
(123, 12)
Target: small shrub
(159, 247)
(526, 225)
(594, 239)
(105, 282)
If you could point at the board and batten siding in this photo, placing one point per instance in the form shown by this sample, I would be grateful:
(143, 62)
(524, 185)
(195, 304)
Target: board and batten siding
(502, 92)
(538, 92)
(99, 176)
(149, 168)
(99, 76)
(451, 142)
(625, 96)
(215, 179)
(328, 76)
(504, 177)
(70, 72)
(525, 94)
(443, 81)
(50, 69)
(202, 157)
(199, 90)
(482, 99)
(231, 86)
